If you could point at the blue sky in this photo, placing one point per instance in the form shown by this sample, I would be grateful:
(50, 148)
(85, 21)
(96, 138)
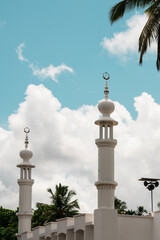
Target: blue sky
(67, 45)
(69, 32)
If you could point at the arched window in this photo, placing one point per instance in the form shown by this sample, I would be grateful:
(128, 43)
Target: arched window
(62, 236)
(48, 238)
(80, 235)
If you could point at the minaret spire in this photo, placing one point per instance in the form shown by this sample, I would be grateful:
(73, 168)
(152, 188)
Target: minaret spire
(106, 76)
(26, 130)
(25, 183)
(105, 215)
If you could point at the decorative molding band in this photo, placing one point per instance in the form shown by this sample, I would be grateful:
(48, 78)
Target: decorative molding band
(25, 182)
(18, 235)
(106, 185)
(103, 187)
(105, 120)
(19, 214)
(24, 165)
(106, 142)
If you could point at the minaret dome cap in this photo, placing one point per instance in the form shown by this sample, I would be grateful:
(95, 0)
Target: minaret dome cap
(26, 154)
(106, 107)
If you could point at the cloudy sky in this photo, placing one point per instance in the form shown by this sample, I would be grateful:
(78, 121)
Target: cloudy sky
(53, 55)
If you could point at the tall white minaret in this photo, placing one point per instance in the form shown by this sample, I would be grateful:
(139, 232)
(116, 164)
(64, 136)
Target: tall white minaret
(105, 217)
(25, 189)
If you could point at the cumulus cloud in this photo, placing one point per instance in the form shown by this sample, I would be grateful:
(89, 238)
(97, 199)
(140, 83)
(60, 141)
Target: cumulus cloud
(124, 42)
(62, 141)
(50, 71)
(19, 51)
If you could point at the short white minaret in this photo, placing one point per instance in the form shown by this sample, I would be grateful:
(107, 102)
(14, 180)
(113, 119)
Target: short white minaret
(25, 189)
(105, 216)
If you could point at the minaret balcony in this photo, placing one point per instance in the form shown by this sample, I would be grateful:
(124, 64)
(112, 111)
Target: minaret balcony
(106, 119)
(24, 164)
(28, 182)
(100, 142)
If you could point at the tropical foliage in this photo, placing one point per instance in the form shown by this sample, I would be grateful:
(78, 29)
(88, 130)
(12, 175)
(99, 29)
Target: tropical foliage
(140, 211)
(121, 206)
(38, 218)
(61, 206)
(130, 212)
(151, 30)
(8, 224)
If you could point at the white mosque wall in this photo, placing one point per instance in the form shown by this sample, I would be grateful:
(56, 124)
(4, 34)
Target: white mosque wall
(81, 227)
(135, 227)
(156, 225)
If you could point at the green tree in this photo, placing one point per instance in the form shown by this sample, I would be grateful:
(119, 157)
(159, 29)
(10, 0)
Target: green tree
(61, 206)
(140, 211)
(39, 217)
(8, 224)
(151, 30)
(130, 212)
(121, 206)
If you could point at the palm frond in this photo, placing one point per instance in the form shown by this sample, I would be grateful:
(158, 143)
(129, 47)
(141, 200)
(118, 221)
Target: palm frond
(158, 48)
(118, 10)
(148, 33)
(70, 194)
(152, 8)
(50, 191)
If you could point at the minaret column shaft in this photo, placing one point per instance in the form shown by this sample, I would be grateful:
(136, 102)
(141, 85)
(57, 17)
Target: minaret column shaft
(106, 184)
(25, 195)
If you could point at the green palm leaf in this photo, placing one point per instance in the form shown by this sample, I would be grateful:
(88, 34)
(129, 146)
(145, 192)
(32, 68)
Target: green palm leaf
(151, 30)
(122, 7)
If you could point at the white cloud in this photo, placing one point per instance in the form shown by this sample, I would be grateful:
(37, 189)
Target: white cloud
(19, 51)
(126, 42)
(50, 71)
(62, 141)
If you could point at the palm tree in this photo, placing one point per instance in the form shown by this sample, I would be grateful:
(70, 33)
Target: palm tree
(121, 206)
(39, 217)
(140, 211)
(151, 30)
(61, 206)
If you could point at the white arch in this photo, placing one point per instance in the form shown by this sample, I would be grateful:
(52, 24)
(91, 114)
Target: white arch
(62, 236)
(48, 238)
(80, 235)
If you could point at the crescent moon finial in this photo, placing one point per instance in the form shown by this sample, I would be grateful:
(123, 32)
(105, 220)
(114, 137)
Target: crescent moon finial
(26, 130)
(106, 76)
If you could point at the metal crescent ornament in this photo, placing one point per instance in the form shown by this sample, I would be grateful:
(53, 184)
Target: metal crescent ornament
(26, 130)
(108, 76)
